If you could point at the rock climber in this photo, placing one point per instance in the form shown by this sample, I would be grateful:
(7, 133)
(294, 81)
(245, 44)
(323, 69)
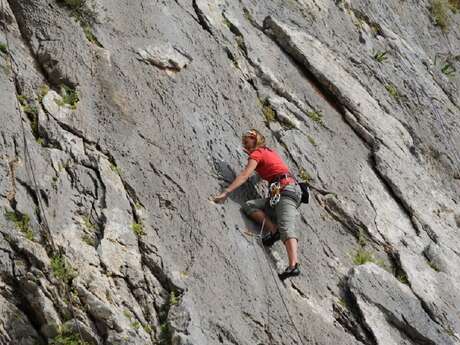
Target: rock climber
(278, 212)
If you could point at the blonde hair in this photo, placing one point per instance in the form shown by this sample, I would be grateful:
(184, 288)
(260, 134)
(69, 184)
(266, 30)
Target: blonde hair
(254, 133)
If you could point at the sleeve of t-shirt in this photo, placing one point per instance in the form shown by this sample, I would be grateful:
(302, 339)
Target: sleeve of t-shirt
(256, 155)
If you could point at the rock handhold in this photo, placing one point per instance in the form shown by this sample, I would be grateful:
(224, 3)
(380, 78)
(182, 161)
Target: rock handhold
(286, 112)
(165, 57)
(54, 105)
(381, 297)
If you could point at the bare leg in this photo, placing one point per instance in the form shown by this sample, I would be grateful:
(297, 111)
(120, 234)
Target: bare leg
(259, 216)
(291, 248)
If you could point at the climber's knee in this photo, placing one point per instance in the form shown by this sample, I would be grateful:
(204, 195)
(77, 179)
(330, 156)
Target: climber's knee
(252, 206)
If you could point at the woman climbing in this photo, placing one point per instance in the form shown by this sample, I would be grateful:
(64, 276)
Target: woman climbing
(278, 212)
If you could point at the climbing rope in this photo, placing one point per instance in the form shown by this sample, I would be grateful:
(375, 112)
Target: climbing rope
(30, 169)
(448, 138)
(267, 295)
(275, 279)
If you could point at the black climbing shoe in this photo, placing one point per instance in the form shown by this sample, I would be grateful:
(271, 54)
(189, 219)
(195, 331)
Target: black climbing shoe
(290, 272)
(270, 239)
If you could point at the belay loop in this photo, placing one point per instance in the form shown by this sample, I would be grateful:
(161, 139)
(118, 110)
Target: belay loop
(275, 193)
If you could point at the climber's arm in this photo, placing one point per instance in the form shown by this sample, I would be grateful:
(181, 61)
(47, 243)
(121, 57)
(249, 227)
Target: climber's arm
(238, 181)
(243, 176)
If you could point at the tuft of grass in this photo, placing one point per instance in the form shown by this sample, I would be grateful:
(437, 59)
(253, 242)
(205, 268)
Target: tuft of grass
(393, 91)
(42, 91)
(173, 298)
(67, 337)
(127, 314)
(22, 223)
(88, 223)
(165, 334)
(115, 168)
(304, 175)
(402, 277)
(136, 325)
(88, 31)
(359, 23)
(89, 240)
(26, 106)
(439, 14)
(288, 124)
(62, 270)
(226, 22)
(449, 331)
(316, 116)
(147, 329)
(343, 303)
(22, 99)
(84, 15)
(448, 69)
(29, 107)
(268, 111)
(433, 266)
(138, 229)
(165, 331)
(3, 48)
(380, 56)
(311, 140)
(454, 5)
(362, 256)
(69, 96)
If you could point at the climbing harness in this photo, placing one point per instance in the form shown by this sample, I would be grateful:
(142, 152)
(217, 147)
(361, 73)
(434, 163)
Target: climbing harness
(275, 190)
(275, 193)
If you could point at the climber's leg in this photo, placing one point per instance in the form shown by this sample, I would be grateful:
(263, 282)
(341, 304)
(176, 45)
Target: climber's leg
(255, 210)
(259, 217)
(286, 218)
(291, 248)
(259, 212)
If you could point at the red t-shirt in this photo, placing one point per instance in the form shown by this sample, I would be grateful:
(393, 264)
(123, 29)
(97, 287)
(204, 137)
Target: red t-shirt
(270, 165)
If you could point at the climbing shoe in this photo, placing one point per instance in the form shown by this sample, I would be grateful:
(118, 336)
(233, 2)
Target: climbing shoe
(290, 272)
(270, 239)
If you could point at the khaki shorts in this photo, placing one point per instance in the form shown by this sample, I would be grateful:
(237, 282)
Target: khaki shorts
(284, 213)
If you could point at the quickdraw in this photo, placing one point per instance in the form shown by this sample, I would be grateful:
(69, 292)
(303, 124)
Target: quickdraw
(275, 193)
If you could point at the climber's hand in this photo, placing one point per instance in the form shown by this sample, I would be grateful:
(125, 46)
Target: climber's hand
(220, 199)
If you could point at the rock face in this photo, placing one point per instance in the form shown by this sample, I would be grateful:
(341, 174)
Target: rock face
(119, 121)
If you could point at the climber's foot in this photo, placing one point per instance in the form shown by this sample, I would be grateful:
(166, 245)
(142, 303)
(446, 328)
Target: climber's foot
(290, 272)
(270, 239)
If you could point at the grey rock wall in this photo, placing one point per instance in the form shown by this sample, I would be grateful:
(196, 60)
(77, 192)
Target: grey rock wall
(120, 119)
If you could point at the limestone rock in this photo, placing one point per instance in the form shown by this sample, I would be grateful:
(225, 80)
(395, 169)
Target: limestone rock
(106, 225)
(164, 57)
